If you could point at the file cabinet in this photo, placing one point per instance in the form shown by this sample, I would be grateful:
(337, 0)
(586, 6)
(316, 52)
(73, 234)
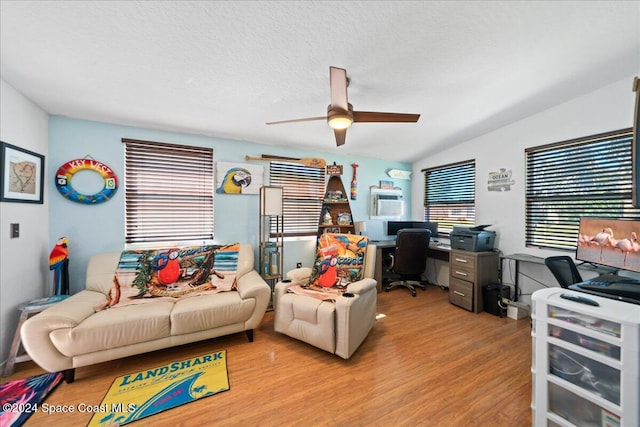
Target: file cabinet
(468, 273)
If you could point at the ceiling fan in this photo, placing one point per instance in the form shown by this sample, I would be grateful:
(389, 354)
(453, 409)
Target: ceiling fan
(340, 114)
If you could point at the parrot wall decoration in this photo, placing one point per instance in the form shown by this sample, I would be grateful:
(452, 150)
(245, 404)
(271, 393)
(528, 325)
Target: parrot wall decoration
(234, 181)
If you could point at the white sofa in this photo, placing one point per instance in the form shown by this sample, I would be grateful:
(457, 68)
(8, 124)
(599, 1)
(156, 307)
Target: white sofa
(337, 327)
(73, 333)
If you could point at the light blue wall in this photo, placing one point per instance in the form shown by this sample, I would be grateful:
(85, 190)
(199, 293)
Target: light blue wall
(99, 228)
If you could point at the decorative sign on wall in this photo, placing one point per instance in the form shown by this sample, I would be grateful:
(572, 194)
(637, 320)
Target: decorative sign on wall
(65, 174)
(399, 174)
(500, 181)
(238, 178)
(334, 169)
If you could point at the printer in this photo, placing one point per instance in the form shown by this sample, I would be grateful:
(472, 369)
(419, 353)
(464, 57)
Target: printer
(472, 239)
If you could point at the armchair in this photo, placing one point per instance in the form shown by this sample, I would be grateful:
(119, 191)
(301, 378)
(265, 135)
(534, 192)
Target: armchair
(337, 327)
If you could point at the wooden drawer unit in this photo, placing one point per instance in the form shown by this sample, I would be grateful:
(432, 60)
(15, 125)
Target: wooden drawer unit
(461, 293)
(463, 259)
(468, 273)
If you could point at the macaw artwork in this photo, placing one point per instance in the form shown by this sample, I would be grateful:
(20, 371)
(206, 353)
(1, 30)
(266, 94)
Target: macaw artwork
(59, 264)
(238, 178)
(234, 181)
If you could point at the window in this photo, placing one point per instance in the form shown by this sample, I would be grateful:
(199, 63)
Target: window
(168, 192)
(584, 177)
(303, 192)
(449, 195)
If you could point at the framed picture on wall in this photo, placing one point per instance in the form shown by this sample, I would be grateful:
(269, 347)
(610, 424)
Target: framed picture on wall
(21, 175)
(238, 178)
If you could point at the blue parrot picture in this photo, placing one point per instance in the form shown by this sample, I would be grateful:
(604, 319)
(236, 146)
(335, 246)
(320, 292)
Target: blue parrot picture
(234, 181)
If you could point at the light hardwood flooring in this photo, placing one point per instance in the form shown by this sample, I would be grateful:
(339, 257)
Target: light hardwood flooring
(426, 362)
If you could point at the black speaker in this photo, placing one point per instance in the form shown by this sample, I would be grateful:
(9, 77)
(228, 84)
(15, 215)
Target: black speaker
(492, 295)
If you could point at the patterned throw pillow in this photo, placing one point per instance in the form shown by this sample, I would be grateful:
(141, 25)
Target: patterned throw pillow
(339, 261)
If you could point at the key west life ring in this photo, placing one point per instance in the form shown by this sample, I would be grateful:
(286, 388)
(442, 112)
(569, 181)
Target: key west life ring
(66, 172)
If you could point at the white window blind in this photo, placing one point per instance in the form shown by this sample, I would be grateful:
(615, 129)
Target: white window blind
(168, 192)
(303, 192)
(449, 195)
(583, 177)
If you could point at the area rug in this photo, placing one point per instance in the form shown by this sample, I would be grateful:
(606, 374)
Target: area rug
(145, 393)
(23, 397)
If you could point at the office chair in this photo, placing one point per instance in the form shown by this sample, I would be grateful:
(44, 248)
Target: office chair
(564, 270)
(410, 259)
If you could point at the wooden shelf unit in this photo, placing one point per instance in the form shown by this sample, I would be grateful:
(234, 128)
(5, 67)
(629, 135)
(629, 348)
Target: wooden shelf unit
(336, 202)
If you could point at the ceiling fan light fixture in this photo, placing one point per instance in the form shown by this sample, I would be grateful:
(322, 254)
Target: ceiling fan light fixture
(340, 121)
(339, 118)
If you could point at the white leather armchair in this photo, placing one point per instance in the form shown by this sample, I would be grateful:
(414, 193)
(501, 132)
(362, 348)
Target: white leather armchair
(339, 327)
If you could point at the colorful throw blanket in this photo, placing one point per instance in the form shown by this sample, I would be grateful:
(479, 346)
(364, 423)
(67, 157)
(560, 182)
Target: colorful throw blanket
(339, 262)
(173, 273)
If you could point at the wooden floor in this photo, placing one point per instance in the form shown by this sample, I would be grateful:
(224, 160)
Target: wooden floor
(426, 362)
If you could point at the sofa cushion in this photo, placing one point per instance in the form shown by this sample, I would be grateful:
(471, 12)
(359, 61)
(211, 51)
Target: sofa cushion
(307, 319)
(115, 328)
(209, 311)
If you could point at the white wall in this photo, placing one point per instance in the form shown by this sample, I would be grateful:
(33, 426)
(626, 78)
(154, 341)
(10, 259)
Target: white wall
(607, 109)
(25, 260)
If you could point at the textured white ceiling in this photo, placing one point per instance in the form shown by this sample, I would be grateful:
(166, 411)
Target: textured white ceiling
(223, 69)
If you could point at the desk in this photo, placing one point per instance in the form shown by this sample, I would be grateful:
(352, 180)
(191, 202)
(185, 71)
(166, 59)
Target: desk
(436, 250)
(518, 258)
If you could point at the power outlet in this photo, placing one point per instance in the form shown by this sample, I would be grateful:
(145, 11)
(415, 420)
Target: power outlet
(15, 231)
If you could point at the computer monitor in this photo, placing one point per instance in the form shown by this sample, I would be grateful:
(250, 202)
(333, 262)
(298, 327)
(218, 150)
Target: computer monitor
(394, 226)
(609, 242)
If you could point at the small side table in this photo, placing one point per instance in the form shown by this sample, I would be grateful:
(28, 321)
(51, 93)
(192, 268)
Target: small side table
(27, 309)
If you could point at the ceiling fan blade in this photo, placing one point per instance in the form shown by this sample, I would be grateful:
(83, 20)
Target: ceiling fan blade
(306, 119)
(338, 83)
(341, 136)
(372, 116)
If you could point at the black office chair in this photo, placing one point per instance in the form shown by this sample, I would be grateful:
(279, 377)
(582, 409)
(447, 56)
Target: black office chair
(410, 259)
(564, 270)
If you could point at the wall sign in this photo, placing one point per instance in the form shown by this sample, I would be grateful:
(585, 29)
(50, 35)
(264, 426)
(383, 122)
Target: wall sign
(65, 174)
(334, 169)
(500, 181)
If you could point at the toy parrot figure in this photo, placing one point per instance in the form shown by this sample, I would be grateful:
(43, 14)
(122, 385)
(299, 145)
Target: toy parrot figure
(59, 263)
(234, 181)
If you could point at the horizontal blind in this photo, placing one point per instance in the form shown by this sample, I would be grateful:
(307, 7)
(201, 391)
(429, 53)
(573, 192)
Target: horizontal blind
(303, 191)
(569, 180)
(449, 195)
(168, 192)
